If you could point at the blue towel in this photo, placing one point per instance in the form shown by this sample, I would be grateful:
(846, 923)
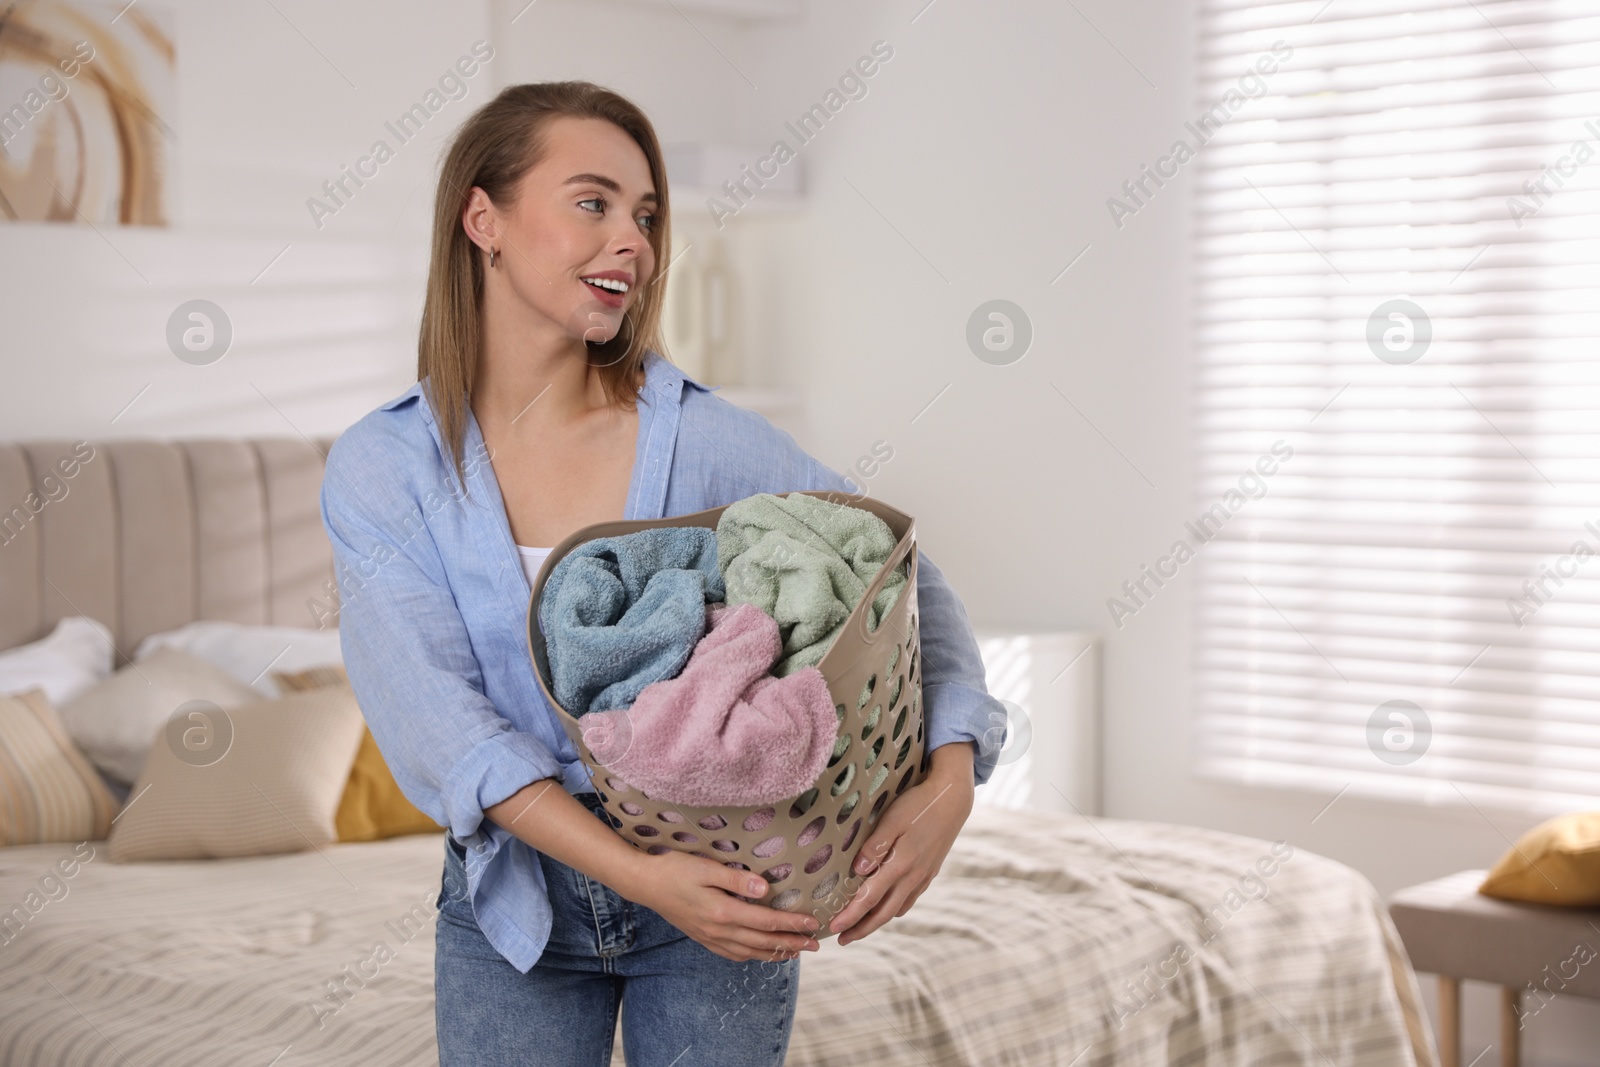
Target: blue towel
(619, 613)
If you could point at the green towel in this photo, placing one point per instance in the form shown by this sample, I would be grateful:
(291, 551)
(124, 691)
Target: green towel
(806, 562)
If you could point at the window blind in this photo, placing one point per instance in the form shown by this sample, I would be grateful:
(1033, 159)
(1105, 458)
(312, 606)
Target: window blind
(1398, 283)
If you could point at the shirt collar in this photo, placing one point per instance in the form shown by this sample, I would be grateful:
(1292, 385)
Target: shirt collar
(660, 376)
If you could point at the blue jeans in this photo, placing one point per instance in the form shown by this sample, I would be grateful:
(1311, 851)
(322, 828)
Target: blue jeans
(681, 1003)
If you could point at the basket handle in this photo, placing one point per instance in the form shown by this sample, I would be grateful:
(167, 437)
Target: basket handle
(907, 546)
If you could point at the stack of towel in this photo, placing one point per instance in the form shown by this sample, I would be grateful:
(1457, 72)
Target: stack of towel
(689, 655)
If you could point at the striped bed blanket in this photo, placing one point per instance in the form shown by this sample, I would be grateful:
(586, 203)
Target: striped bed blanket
(1045, 940)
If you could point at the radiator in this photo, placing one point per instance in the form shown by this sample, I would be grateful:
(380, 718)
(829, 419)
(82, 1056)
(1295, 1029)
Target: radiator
(1050, 682)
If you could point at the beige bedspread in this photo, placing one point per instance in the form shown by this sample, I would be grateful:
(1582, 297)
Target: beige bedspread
(1045, 940)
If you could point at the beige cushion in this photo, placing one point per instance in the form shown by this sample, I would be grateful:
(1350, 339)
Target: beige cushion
(268, 780)
(48, 791)
(115, 721)
(1557, 862)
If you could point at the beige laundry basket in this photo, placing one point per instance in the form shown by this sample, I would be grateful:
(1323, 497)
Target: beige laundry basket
(804, 846)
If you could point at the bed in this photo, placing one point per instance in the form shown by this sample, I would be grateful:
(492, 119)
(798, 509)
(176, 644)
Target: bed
(1047, 939)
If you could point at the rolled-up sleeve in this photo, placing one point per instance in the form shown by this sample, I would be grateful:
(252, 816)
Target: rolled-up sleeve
(409, 657)
(957, 705)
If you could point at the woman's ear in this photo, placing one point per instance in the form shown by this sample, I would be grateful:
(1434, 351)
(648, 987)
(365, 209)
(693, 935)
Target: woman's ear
(478, 218)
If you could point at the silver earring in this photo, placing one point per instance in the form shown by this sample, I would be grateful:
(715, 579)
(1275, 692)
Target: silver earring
(494, 254)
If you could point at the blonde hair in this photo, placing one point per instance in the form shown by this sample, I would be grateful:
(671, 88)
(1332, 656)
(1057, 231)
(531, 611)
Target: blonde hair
(492, 150)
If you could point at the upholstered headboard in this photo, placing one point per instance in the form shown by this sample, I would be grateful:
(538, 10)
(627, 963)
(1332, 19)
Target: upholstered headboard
(147, 535)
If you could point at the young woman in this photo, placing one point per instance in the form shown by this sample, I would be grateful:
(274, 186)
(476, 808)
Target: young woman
(543, 405)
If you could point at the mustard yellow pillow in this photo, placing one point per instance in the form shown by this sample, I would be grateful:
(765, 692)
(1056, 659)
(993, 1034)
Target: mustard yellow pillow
(372, 807)
(1557, 862)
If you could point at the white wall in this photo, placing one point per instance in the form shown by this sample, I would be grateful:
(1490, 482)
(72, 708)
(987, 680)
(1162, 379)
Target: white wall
(976, 167)
(264, 117)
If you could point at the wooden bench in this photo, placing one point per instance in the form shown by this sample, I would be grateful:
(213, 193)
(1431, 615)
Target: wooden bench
(1534, 952)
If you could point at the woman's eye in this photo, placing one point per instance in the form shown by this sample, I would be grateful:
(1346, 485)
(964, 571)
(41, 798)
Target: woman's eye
(649, 221)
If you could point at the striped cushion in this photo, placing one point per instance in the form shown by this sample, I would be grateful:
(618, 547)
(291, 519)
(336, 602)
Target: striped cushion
(48, 790)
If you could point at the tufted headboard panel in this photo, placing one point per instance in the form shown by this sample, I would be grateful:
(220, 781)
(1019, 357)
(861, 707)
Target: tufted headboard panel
(146, 535)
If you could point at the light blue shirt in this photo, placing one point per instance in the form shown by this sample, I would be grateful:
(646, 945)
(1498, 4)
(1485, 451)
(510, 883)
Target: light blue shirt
(434, 602)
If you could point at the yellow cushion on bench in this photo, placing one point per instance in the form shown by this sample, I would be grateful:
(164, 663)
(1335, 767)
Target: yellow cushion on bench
(1556, 862)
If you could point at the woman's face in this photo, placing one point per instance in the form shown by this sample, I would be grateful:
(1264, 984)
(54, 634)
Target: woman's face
(585, 211)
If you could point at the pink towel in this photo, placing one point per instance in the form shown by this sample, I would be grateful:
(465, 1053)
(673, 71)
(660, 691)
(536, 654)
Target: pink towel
(724, 732)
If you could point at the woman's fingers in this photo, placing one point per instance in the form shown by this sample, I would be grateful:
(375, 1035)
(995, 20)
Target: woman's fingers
(876, 886)
(739, 943)
(760, 918)
(911, 898)
(888, 893)
(745, 931)
(740, 954)
(767, 929)
(884, 911)
(764, 944)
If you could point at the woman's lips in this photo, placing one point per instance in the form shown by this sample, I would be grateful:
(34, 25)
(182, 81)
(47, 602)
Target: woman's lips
(606, 296)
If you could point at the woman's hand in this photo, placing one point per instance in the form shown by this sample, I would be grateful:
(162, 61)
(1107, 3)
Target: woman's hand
(909, 844)
(695, 895)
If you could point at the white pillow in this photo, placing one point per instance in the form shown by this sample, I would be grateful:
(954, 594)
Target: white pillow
(77, 654)
(251, 653)
(115, 722)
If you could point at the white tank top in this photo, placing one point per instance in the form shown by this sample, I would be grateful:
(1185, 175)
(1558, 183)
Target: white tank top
(532, 560)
